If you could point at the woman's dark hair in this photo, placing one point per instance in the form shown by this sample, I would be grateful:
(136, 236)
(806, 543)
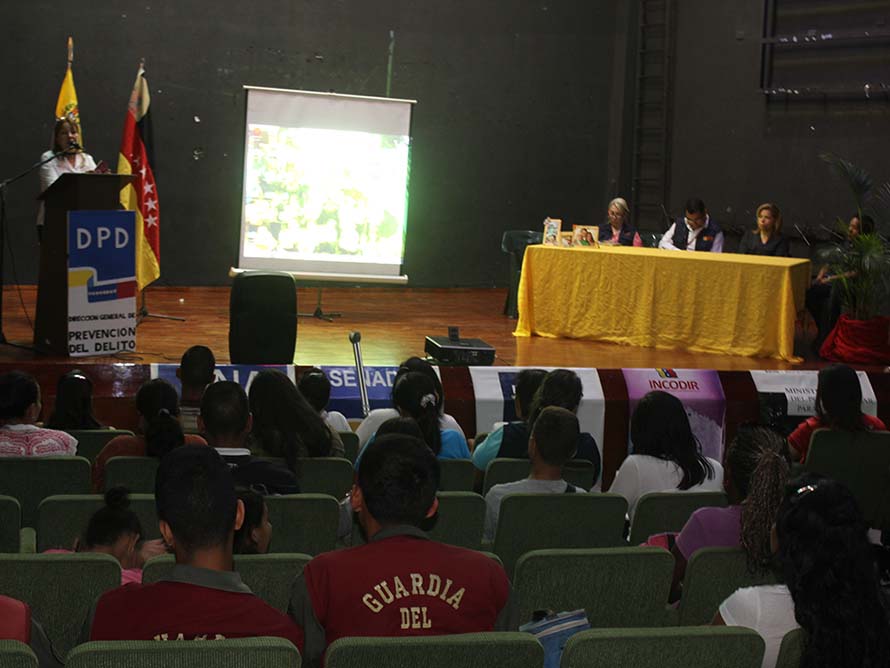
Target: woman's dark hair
(315, 386)
(73, 408)
(560, 387)
(422, 366)
(839, 398)
(527, 383)
(254, 504)
(828, 565)
(163, 432)
(284, 423)
(155, 395)
(111, 521)
(400, 425)
(660, 428)
(18, 390)
(757, 463)
(414, 394)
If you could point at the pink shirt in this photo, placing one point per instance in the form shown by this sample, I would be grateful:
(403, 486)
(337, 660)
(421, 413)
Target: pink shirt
(710, 527)
(617, 233)
(29, 440)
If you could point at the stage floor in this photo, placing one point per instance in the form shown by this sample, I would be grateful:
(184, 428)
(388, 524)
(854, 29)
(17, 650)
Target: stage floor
(393, 323)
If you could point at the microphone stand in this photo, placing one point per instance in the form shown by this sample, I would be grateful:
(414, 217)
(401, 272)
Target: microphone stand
(3, 186)
(355, 338)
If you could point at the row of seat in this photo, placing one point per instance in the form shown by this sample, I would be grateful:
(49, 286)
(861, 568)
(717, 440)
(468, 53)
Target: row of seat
(309, 522)
(31, 479)
(617, 587)
(716, 647)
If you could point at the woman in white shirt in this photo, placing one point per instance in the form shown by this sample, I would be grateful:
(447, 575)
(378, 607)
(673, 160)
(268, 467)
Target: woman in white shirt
(831, 583)
(74, 161)
(666, 454)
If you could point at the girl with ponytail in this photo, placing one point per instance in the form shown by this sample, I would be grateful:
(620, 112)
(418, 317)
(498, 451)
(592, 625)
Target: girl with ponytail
(414, 396)
(755, 473)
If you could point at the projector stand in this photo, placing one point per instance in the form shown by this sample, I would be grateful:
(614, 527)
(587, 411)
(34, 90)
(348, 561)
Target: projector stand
(319, 312)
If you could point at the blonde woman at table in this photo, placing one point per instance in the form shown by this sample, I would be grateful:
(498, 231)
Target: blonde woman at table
(767, 238)
(618, 231)
(695, 231)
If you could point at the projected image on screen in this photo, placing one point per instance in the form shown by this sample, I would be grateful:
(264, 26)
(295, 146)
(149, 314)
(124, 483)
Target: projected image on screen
(335, 195)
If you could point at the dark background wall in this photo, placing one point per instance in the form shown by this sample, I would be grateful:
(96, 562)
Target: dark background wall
(512, 122)
(736, 151)
(524, 110)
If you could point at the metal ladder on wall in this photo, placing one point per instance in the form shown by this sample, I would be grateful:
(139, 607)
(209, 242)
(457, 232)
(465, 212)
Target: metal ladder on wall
(652, 114)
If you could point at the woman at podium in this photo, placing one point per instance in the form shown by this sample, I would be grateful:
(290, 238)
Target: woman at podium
(73, 159)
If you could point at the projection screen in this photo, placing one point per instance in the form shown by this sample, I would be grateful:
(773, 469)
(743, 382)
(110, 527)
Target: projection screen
(325, 190)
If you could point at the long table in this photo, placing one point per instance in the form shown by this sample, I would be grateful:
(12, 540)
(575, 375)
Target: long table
(702, 302)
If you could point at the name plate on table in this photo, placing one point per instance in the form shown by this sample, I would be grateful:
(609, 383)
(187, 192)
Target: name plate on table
(101, 282)
(702, 396)
(495, 390)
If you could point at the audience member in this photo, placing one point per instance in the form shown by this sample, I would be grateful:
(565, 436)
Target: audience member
(399, 583)
(114, 529)
(316, 387)
(838, 406)
(754, 476)
(378, 416)
(767, 237)
(553, 442)
(285, 424)
(414, 395)
(202, 598)
(830, 585)
(226, 421)
(158, 406)
(512, 437)
(561, 387)
(255, 533)
(666, 454)
(695, 232)
(618, 230)
(73, 407)
(17, 623)
(19, 411)
(196, 371)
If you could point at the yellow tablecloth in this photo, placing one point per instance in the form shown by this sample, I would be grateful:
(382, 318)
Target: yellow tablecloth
(703, 302)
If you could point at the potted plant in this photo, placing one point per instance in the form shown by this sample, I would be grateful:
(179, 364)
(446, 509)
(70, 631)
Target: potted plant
(861, 265)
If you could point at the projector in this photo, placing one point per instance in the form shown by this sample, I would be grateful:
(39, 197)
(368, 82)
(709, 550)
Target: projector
(452, 349)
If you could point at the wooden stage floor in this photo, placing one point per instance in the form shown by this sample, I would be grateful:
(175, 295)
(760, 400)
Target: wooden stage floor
(393, 323)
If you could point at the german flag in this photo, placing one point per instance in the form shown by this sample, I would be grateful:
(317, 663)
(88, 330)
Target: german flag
(66, 105)
(141, 196)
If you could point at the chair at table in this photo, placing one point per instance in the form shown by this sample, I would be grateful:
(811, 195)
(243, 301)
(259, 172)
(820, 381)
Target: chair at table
(712, 575)
(501, 650)
(240, 652)
(617, 587)
(456, 475)
(137, 474)
(60, 588)
(325, 475)
(661, 512)
(861, 461)
(15, 654)
(540, 521)
(461, 519)
(303, 523)
(10, 524)
(31, 479)
(712, 646)
(514, 243)
(269, 576)
(62, 518)
(91, 441)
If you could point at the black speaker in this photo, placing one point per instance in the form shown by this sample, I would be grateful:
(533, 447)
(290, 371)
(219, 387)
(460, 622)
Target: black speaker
(263, 318)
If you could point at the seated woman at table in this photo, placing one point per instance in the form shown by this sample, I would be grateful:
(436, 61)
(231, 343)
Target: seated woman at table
(618, 231)
(767, 238)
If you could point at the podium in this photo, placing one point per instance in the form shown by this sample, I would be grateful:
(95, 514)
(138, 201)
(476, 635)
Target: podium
(70, 192)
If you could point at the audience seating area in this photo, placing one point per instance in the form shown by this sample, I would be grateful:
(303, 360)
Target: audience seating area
(240, 653)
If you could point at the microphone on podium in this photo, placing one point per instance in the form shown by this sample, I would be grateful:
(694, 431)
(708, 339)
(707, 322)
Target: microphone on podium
(74, 145)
